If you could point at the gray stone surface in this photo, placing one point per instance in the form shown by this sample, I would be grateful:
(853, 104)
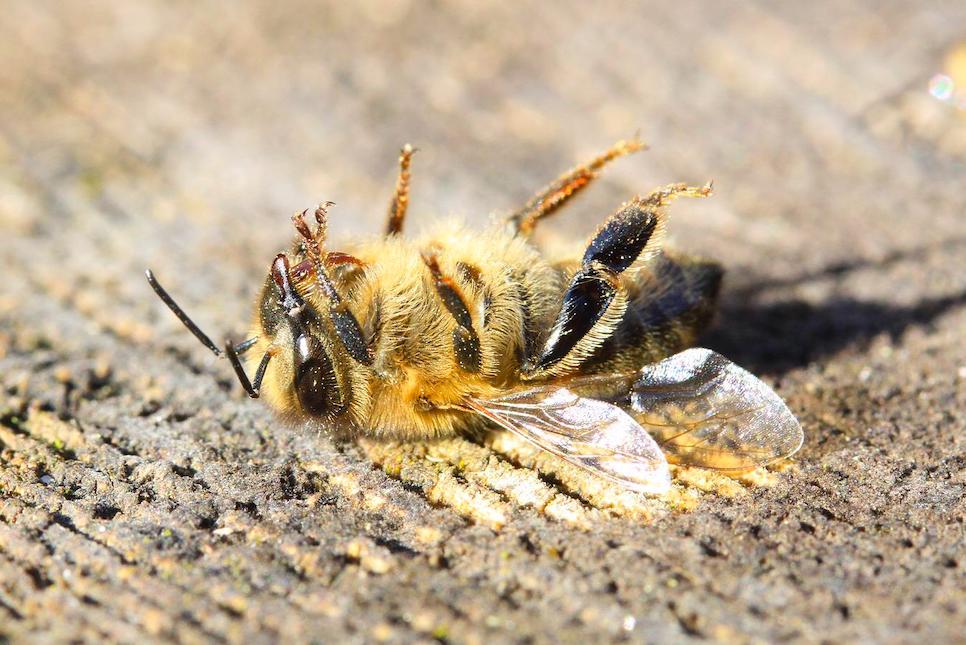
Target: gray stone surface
(143, 498)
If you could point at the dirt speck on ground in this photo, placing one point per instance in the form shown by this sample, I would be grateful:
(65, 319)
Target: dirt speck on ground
(143, 498)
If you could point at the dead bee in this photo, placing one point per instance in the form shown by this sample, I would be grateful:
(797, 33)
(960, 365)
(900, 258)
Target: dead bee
(404, 339)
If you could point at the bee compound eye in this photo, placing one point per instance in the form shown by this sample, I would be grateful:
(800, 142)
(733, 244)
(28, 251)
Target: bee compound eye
(317, 388)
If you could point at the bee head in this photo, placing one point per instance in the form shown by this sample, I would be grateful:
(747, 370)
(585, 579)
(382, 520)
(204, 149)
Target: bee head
(306, 362)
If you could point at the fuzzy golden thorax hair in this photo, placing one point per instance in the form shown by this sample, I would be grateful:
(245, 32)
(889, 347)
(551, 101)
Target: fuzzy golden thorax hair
(415, 384)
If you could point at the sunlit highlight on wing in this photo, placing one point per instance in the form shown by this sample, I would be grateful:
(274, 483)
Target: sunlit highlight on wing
(706, 411)
(592, 434)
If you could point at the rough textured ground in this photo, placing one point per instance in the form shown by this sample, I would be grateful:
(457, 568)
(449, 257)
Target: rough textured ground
(143, 498)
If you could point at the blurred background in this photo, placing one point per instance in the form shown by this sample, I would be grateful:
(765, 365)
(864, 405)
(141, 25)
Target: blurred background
(183, 135)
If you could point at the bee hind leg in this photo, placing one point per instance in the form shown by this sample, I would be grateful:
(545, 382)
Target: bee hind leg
(557, 193)
(596, 299)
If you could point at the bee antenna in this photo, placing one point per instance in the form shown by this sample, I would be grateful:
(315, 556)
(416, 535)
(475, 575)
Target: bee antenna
(253, 387)
(182, 316)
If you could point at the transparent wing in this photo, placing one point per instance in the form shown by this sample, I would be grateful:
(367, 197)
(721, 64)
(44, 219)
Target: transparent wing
(706, 411)
(592, 434)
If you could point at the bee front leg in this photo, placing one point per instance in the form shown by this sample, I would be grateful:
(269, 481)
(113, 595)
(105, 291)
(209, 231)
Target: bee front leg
(556, 194)
(400, 199)
(346, 325)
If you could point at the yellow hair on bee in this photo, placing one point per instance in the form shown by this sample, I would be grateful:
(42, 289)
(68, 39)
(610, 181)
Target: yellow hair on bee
(415, 387)
(413, 339)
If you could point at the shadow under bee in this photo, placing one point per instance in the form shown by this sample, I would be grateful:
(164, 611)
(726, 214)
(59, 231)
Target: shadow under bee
(776, 337)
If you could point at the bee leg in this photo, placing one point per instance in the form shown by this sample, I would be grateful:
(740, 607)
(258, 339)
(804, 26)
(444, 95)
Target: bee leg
(556, 194)
(635, 233)
(338, 258)
(347, 327)
(466, 342)
(595, 301)
(400, 199)
(313, 241)
(314, 244)
(592, 307)
(666, 194)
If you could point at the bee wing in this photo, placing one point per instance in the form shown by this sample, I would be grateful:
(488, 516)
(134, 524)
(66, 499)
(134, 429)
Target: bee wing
(594, 435)
(706, 411)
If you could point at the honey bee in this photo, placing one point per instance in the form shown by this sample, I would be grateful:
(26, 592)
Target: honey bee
(585, 357)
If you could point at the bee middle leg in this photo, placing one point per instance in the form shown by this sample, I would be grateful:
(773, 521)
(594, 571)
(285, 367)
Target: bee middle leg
(466, 342)
(558, 192)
